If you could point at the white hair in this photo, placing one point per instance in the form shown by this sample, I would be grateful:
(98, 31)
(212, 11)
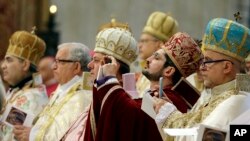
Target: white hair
(78, 52)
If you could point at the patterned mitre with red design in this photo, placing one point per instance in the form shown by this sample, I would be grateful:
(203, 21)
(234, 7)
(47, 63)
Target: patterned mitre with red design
(25, 45)
(184, 53)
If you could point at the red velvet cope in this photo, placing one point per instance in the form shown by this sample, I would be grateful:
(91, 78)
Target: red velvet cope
(121, 119)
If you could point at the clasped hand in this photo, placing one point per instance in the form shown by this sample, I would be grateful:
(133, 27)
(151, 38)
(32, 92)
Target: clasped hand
(159, 101)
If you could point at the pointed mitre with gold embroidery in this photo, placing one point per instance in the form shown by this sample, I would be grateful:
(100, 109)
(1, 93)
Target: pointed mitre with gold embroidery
(227, 37)
(25, 45)
(117, 42)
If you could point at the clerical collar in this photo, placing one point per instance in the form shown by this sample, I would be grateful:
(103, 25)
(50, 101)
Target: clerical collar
(61, 89)
(223, 87)
(22, 83)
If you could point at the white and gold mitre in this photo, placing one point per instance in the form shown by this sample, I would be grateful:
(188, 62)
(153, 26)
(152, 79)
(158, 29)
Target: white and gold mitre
(117, 42)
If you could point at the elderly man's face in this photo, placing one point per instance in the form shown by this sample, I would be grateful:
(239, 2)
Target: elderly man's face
(212, 68)
(64, 68)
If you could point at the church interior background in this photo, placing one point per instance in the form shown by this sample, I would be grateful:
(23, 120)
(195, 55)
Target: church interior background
(78, 20)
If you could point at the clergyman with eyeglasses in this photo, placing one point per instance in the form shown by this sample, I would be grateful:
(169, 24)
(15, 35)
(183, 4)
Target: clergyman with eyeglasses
(68, 100)
(225, 44)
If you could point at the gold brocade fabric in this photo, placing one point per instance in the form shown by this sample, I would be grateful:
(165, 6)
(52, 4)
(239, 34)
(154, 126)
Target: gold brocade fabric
(190, 119)
(193, 118)
(57, 117)
(29, 99)
(142, 84)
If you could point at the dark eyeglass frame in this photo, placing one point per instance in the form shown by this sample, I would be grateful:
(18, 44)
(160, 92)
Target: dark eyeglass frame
(143, 41)
(204, 63)
(65, 61)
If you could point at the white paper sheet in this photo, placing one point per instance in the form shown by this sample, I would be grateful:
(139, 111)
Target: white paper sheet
(147, 105)
(181, 131)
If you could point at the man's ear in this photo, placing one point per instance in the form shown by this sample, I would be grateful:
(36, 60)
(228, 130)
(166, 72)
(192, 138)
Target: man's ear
(169, 71)
(77, 67)
(26, 65)
(228, 67)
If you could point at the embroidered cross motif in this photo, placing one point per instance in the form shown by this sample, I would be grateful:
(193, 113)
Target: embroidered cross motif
(237, 16)
(33, 30)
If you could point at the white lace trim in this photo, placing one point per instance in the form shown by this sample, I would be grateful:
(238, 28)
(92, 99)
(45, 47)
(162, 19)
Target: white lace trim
(164, 112)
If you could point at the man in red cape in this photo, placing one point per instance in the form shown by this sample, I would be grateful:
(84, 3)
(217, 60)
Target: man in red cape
(113, 115)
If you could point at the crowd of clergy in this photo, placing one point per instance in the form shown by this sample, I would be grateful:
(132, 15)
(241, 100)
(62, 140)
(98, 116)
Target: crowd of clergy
(81, 94)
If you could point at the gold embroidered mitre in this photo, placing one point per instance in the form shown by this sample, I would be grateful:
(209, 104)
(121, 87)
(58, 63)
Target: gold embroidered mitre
(161, 26)
(117, 42)
(26, 45)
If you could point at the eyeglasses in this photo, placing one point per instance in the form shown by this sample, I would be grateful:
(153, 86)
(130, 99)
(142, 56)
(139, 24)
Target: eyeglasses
(64, 61)
(204, 63)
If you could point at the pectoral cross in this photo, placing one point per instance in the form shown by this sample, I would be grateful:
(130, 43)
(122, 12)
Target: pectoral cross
(126, 27)
(237, 16)
(33, 30)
